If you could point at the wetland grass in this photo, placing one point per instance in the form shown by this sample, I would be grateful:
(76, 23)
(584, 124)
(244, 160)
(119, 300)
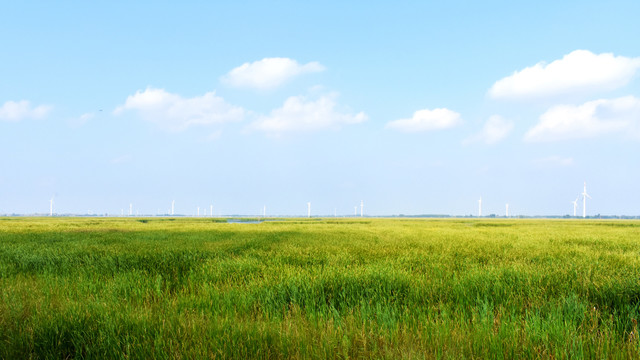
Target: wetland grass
(328, 288)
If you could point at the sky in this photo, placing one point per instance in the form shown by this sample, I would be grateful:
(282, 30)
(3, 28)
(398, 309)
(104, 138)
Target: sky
(412, 107)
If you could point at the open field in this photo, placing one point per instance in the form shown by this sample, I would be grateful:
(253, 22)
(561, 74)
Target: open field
(319, 288)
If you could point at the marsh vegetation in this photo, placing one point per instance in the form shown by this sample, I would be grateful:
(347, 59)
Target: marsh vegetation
(319, 288)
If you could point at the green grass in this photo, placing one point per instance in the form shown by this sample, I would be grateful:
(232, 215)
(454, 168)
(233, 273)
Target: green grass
(319, 288)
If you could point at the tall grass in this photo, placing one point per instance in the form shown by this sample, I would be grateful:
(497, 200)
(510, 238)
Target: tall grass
(373, 288)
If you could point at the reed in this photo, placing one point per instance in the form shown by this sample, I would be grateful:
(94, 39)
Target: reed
(319, 288)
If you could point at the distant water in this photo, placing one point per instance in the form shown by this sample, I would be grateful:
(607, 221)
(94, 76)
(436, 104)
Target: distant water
(241, 221)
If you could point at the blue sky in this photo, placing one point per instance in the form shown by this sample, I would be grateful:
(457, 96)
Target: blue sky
(412, 107)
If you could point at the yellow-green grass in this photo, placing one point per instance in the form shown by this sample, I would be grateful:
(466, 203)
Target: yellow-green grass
(319, 288)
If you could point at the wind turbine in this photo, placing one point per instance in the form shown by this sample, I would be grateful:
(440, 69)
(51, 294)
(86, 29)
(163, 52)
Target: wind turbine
(480, 207)
(130, 209)
(575, 205)
(507, 212)
(361, 208)
(211, 210)
(51, 207)
(584, 200)
(173, 204)
(308, 209)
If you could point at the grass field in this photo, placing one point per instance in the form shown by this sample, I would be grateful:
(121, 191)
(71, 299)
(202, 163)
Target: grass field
(319, 288)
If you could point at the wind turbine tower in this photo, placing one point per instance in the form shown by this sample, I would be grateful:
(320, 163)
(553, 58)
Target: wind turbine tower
(507, 212)
(575, 205)
(361, 208)
(211, 210)
(130, 209)
(308, 209)
(264, 211)
(173, 204)
(584, 200)
(480, 207)
(51, 207)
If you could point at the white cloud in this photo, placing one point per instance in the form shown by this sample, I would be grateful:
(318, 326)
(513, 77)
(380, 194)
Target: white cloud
(590, 119)
(580, 71)
(268, 73)
(554, 161)
(298, 114)
(494, 130)
(427, 120)
(81, 120)
(19, 110)
(173, 112)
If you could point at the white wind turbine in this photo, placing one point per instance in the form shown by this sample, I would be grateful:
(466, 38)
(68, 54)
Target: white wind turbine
(361, 208)
(575, 205)
(584, 200)
(51, 207)
(308, 209)
(480, 207)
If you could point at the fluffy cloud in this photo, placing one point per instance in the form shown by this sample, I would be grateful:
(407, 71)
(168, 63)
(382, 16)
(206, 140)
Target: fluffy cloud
(19, 110)
(299, 114)
(494, 130)
(427, 120)
(268, 73)
(580, 71)
(173, 112)
(590, 119)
